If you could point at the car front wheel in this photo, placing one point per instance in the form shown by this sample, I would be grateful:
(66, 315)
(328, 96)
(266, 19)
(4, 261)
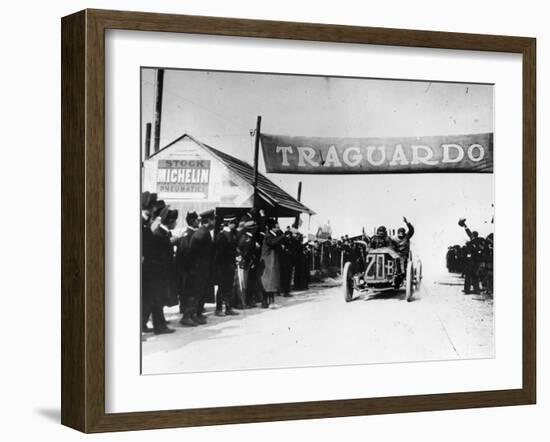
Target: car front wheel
(347, 282)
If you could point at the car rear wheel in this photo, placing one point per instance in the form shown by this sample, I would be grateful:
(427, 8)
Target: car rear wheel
(347, 282)
(409, 282)
(418, 274)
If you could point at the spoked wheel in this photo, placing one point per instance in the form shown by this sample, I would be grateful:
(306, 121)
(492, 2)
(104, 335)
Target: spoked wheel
(347, 282)
(418, 274)
(409, 282)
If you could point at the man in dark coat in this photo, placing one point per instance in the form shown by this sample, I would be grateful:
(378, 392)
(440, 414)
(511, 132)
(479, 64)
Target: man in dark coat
(303, 263)
(248, 257)
(187, 302)
(487, 264)
(225, 265)
(450, 259)
(381, 239)
(286, 262)
(402, 244)
(147, 288)
(156, 210)
(403, 239)
(474, 251)
(162, 260)
(201, 259)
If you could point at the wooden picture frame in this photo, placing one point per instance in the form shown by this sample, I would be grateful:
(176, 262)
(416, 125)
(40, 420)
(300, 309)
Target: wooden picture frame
(83, 219)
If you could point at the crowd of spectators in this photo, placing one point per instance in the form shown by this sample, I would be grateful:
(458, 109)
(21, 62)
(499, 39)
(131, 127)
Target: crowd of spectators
(235, 262)
(473, 260)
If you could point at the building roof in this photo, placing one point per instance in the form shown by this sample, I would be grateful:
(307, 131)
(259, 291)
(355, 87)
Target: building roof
(268, 191)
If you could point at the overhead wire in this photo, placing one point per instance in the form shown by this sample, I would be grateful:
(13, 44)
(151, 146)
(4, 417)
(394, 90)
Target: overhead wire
(223, 117)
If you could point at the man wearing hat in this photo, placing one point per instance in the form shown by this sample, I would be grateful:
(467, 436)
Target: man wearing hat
(147, 288)
(402, 243)
(187, 302)
(381, 239)
(286, 260)
(474, 251)
(224, 265)
(487, 263)
(303, 265)
(247, 255)
(301, 273)
(162, 260)
(156, 210)
(201, 259)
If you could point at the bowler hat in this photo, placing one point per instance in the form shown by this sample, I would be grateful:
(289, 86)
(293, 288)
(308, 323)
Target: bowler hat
(167, 215)
(191, 217)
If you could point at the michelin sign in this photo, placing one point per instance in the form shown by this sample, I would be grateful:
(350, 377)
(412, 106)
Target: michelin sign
(183, 176)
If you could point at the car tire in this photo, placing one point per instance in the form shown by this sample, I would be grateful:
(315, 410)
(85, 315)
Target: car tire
(418, 274)
(409, 282)
(347, 282)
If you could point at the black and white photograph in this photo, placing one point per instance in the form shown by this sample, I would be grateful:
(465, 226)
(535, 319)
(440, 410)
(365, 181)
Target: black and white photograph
(293, 221)
(270, 221)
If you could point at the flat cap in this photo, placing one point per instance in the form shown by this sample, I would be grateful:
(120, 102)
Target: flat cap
(208, 214)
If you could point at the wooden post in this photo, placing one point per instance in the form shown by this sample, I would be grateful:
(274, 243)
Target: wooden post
(256, 159)
(158, 107)
(297, 220)
(147, 140)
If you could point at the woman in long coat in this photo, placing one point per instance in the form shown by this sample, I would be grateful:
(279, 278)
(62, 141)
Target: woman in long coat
(271, 275)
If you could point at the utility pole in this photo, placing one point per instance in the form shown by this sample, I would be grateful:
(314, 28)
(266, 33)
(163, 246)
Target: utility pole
(147, 140)
(256, 159)
(158, 107)
(297, 220)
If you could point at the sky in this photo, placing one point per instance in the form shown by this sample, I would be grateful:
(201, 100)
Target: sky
(220, 109)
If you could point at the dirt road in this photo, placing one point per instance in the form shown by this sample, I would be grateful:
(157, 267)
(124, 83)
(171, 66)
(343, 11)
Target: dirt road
(318, 328)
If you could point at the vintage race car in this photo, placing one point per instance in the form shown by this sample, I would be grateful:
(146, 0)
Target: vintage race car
(380, 270)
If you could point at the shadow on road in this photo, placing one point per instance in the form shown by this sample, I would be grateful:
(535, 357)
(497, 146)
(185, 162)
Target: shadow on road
(218, 325)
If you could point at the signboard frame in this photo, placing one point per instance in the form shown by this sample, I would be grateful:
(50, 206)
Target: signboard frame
(83, 223)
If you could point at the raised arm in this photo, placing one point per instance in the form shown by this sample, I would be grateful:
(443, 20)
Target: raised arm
(462, 223)
(410, 228)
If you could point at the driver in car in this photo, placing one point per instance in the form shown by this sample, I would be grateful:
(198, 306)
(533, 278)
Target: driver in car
(402, 243)
(381, 239)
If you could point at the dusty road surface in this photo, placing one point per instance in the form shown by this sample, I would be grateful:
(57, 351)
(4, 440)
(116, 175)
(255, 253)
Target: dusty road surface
(318, 327)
